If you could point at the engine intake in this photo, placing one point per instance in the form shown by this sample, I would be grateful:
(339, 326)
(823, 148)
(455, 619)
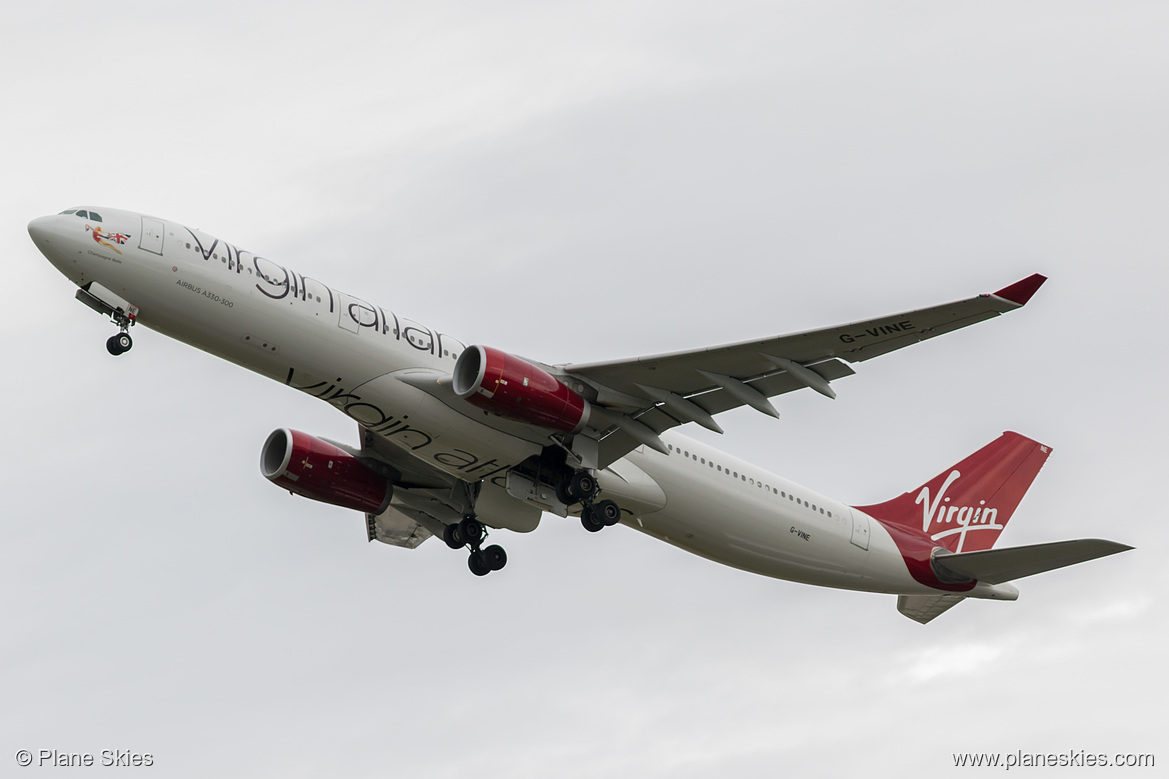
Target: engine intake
(507, 386)
(318, 470)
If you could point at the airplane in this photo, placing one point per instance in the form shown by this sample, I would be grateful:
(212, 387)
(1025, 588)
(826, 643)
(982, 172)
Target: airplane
(456, 439)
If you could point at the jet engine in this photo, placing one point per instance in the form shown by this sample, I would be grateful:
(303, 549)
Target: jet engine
(507, 386)
(319, 470)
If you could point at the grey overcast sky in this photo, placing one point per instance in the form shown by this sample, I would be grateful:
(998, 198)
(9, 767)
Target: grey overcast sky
(579, 182)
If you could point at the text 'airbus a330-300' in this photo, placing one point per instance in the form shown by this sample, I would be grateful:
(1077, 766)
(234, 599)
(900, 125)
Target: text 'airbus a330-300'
(456, 439)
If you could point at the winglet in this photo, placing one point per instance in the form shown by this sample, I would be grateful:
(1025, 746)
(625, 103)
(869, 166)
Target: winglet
(1021, 291)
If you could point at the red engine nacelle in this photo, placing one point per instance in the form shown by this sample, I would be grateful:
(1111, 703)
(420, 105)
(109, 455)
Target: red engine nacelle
(317, 469)
(507, 386)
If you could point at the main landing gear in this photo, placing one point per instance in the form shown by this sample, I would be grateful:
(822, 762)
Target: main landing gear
(575, 486)
(469, 532)
(580, 486)
(121, 343)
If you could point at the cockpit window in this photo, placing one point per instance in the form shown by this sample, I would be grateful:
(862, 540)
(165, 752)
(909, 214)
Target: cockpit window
(84, 214)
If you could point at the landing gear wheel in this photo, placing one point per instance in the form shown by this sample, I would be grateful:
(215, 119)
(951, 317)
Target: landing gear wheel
(590, 521)
(453, 537)
(479, 564)
(471, 530)
(471, 533)
(607, 513)
(582, 485)
(495, 557)
(118, 344)
(563, 495)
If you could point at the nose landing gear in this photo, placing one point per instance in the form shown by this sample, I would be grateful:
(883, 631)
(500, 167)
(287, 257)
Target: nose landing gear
(124, 319)
(118, 344)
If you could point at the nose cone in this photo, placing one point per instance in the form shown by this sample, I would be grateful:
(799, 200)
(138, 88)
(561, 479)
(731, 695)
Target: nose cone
(41, 231)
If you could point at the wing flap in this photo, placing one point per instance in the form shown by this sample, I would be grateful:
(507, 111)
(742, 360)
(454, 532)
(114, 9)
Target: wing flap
(719, 400)
(394, 527)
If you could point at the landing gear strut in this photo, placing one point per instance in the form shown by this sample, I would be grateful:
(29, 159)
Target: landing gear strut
(469, 532)
(121, 343)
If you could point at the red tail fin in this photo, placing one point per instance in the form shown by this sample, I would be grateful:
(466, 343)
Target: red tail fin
(966, 507)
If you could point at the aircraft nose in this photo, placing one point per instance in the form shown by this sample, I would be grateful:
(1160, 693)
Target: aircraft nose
(41, 231)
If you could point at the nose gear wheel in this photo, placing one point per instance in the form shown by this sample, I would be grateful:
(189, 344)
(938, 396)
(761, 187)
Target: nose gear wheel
(119, 344)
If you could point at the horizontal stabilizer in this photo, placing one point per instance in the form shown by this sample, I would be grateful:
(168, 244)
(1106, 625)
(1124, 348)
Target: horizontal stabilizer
(995, 566)
(923, 608)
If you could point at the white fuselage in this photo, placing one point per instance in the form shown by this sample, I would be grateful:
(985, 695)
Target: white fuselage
(368, 362)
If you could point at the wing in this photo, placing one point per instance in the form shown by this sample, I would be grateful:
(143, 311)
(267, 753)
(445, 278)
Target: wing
(638, 399)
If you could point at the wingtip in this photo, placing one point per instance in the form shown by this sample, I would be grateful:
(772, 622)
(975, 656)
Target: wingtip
(1022, 291)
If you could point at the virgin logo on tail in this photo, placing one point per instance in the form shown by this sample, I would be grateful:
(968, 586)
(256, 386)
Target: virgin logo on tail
(953, 520)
